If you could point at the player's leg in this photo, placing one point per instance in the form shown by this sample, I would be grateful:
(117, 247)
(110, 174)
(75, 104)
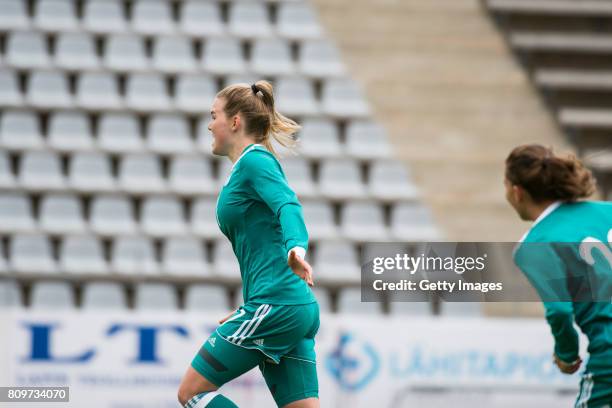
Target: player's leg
(293, 382)
(595, 391)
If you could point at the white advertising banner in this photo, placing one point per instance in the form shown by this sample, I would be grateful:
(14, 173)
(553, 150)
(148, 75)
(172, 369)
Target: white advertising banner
(136, 359)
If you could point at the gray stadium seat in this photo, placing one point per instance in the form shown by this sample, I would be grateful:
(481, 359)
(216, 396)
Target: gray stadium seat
(323, 299)
(223, 56)
(20, 130)
(195, 93)
(7, 179)
(31, 253)
(364, 221)
(336, 261)
(104, 16)
(125, 52)
(61, 214)
(320, 58)
(272, 57)
(343, 98)
(119, 133)
(319, 139)
(225, 263)
(55, 15)
(16, 213)
(152, 17)
(389, 181)
(98, 90)
(48, 89)
(155, 296)
(204, 298)
(90, 172)
(41, 170)
(299, 177)
(27, 49)
(141, 173)
(298, 21)
(204, 136)
(14, 15)
(10, 294)
(245, 78)
(412, 222)
(191, 175)
(133, 256)
(201, 18)
(169, 134)
(296, 96)
(147, 92)
(173, 54)
(319, 217)
(70, 131)
(349, 302)
(48, 295)
(104, 296)
(184, 257)
(249, 19)
(112, 215)
(76, 51)
(341, 180)
(203, 219)
(82, 254)
(9, 89)
(367, 140)
(162, 216)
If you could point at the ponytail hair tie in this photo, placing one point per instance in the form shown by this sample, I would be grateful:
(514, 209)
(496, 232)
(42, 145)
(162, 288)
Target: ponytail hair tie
(255, 89)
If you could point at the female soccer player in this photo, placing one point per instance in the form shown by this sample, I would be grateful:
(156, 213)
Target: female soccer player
(262, 218)
(572, 270)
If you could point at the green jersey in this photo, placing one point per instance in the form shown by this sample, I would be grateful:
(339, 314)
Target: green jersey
(579, 269)
(262, 217)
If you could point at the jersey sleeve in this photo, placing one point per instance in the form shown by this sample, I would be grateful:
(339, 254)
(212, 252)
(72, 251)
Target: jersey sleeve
(265, 176)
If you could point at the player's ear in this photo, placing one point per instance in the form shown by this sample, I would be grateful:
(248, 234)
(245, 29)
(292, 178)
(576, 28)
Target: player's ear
(235, 123)
(518, 194)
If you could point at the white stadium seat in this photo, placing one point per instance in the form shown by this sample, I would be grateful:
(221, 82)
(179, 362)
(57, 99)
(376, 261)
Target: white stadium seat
(367, 140)
(184, 257)
(48, 89)
(204, 298)
(61, 214)
(343, 98)
(320, 58)
(7, 178)
(112, 215)
(390, 181)
(125, 52)
(47, 295)
(41, 170)
(14, 15)
(169, 134)
(319, 217)
(155, 296)
(104, 296)
(296, 96)
(90, 172)
(27, 49)
(191, 175)
(10, 294)
(337, 261)
(203, 220)
(195, 93)
(31, 253)
(55, 15)
(298, 21)
(82, 254)
(341, 180)
(16, 213)
(272, 57)
(412, 222)
(70, 131)
(364, 221)
(76, 51)
(119, 133)
(147, 92)
(104, 16)
(141, 173)
(225, 261)
(298, 174)
(349, 302)
(152, 17)
(223, 56)
(98, 90)
(319, 138)
(9, 88)
(249, 19)
(201, 18)
(20, 130)
(173, 54)
(163, 216)
(133, 255)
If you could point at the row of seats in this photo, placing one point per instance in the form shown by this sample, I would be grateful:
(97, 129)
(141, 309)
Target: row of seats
(165, 216)
(49, 295)
(172, 134)
(148, 92)
(295, 20)
(172, 54)
(339, 179)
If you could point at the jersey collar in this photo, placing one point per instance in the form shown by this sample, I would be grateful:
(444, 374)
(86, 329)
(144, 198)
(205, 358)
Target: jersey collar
(552, 207)
(245, 151)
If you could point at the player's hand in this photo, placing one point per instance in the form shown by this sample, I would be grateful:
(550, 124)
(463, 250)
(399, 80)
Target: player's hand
(300, 267)
(226, 317)
(567, 368)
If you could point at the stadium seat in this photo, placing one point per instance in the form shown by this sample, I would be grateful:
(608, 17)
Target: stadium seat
(16, 213)
(343, 98)
(249, 19)
(152, 17)
(552, 8)
(119, 133)
(322, 299)
(295, 96)
(141, 173)
(14, 15)
(104, 16)
(341, 180)
(27, 49)
(9, 89)
(55, 15)
(204, 298)
(7, 178)
(133, 256)
(51, 295)
(321, 59)
(125, 52)
(20, 130)
(204, 136)
(225, 263)
(349, 302)
(191, 175)
(367, 140)
(31, 253)
(169, 134)
(418, 305)
(336, 261)
(112, 215)
(201, 18)
(299, 176)
(271, 57)
(184, 257)
(173, 54)
(245, 78)
(412, 222)
(10, 294)
(297, 21)
(163, 216)
(155, 296)
(319, 217)
(90, 172)
(580, 43)
(41, 170)
(104, 296)
(61, 214)
(147, 92)
(48, 89)
(319, 139)
(389, 181)
(223, 172)
(82, 254)
(98, 90)
(195, 93)
(203, 219)
(364, 221)
(70, 131)
(76, 51)
(223, 56)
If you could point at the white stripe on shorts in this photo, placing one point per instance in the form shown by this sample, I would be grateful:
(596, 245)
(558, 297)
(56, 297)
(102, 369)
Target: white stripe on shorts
(260, 318)
(245, 323)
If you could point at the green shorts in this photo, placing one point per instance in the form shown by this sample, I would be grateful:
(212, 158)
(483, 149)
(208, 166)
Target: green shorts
(277, 338)
(595, 391)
